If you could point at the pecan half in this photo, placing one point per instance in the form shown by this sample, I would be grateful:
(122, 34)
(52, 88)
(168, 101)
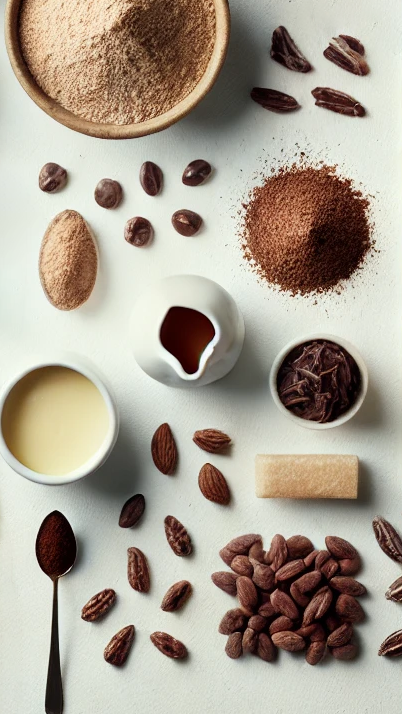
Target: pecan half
(388, 539)
(212, 440)
(176, 596)
(273, 100)
(168, 645)
(116, 652)
(338, 102)
(98, 605)
(347, 53)
(285, 51)
(138, 570)
(177, 537)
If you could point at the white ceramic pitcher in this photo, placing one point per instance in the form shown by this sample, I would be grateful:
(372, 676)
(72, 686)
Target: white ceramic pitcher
(194, 293)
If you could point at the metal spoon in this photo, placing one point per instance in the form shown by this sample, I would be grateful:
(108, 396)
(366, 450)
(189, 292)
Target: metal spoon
(56, 551)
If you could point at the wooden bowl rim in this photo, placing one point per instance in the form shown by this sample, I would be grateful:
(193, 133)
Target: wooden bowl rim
(117, 131)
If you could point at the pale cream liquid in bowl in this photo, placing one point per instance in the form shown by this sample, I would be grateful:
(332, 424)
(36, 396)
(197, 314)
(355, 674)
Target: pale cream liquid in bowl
(54, 420)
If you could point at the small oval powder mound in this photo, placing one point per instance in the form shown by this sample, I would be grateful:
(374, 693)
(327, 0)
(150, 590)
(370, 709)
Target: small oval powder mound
(68, 261)
(306, 229)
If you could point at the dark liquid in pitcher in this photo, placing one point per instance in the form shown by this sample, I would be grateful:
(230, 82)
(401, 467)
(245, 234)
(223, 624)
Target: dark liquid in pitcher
(185, 333)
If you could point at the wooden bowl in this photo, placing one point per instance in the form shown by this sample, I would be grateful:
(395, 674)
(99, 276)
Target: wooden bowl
(116, 131)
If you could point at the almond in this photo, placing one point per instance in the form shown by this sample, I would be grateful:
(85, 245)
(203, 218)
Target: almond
(250, 640)
(242, 566)
(278, 552)
(177, 537)
(164, 450)
(347, 585)
(266, 610)
(318, 605)
(290, 570)
(288, 641)
(117, 651)
(213, 485)
(330, 568)
(265, 649)
(264, 576)
(212, 440)
(233, 621)
(321, 558)
(247, 595)
(308, 581)
(350, 566)
(239, 546)
(281, 624)
(310, 558)
(225, 581)
(168, 645)
(345, 652)
(314, 632)
(349, 609)
(176, 596)
(341, 636)
(234, 648)
(284, 604)
(257, 623)
(340, 548)
(299, 547)
(315, 652)
(132, 511)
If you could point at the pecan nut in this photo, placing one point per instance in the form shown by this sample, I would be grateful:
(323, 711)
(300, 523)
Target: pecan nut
(338, 102)
(138, 570)
(132, 511)
(177, 537)
(117, 651)
(168, 645)
(98, 605)
(347, 53)
(176, 596)
(273, 100)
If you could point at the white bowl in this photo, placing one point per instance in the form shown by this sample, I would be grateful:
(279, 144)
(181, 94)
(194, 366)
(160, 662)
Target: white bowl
(84, 367)
(306, 422)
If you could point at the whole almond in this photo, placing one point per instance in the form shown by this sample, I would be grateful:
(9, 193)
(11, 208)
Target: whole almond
(345, 652)
(310, 558)
(341, 636)
(388, 539)
(250, 640)
(318, 605)
(290, 570)
(308, 581)
(332, 622)
(264, 577)
(98, 605)
(239, 546)
(314, 632)
(225, 581)
(299, 546)
(321, 558)
(213, 485)
(340, 548)
(350, 566)
(257, 623)
(347, 585)
(284, 604)
(117, 651)
(299, 597)
(132, 511)
(138, 570)
(278, 552)
(265, 648)
(176, 596)
(257, 552)
(233, 621)
(288, 641)
(164, 450)
(281, 624)
(212, 440)
(394, 591)
(392, 645)
(247, 595)
(234, 648)
(266, 610)
(315, 652)
(349, 609)
(330, 568)
(242, 566)
(168, 645)
(177, 537)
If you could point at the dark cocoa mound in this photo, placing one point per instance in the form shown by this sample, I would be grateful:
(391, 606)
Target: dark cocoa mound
(306, 229)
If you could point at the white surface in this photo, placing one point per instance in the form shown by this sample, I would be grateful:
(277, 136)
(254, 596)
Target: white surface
(237, 136)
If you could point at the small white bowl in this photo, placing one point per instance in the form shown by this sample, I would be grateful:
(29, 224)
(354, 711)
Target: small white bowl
(306, 422)
(84, 367)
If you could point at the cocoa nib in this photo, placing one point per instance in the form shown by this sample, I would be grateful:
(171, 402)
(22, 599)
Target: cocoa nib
(286, 52)
(337, 102)
(347, 53)
(273, 100)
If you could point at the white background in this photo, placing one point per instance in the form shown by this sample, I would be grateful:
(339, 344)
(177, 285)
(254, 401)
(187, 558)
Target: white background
(237, 136)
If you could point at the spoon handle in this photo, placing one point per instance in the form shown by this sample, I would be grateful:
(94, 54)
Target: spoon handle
(54, 686)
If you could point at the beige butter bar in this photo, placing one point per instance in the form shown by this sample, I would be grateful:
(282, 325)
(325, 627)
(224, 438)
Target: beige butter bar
(307, 476)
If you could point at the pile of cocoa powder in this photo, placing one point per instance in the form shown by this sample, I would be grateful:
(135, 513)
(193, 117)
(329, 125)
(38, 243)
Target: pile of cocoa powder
(306, 229)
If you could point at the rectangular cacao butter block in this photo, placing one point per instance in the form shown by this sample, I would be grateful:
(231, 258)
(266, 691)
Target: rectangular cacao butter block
(306, 476)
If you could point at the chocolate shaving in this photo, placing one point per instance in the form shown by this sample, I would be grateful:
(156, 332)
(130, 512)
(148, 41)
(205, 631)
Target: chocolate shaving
(318, 381)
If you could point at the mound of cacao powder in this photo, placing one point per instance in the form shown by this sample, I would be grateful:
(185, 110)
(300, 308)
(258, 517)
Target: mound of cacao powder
(306, 229)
